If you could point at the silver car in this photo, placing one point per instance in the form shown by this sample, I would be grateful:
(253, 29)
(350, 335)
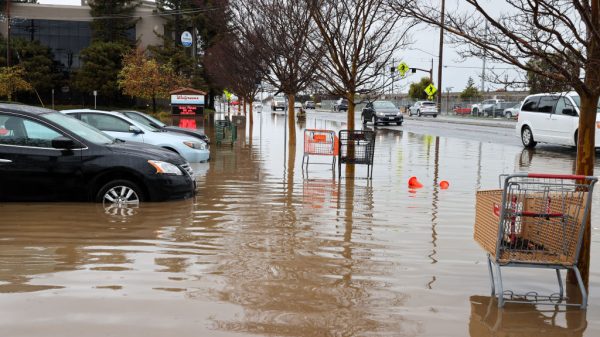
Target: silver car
(119, 126)
(423, 108)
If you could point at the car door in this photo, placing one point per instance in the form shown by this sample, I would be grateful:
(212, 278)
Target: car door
(545, 123)
(112, 125)
(30, 168)
(530, 116)
(563, 122)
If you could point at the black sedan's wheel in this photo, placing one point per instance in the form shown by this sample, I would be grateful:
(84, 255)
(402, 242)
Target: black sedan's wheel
(364, 120)
(120, 192)
(398, 123)
(434, 116)
(527, 138)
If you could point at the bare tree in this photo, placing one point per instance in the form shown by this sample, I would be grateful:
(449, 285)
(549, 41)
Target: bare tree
(227, 65)
(562, 36)
(360, 37)
(282, 29)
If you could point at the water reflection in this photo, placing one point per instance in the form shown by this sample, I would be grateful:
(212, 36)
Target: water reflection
(523, 320)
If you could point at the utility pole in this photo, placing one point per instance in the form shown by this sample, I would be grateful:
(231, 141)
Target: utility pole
(440, 57)
(484, 59)
(8, 33)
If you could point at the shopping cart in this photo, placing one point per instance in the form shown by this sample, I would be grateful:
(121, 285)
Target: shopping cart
(320, 143)
(534, 221)
(356, 147)
(226, 132)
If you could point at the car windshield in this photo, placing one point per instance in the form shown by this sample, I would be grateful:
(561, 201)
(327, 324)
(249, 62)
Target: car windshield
(577, 101)
(384, 105)
(79, 128)
(147, 120)
(429, 103)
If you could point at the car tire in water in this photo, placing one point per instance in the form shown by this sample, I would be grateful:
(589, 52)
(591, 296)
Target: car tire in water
(418, 113)
(434, 116)
(508, 114)
(399, 123)
(527, 138)
(476, 112)
(121, 191)
(364, 120)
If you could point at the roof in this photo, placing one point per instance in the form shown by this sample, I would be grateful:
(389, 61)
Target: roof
(184, 91)
(17, 107)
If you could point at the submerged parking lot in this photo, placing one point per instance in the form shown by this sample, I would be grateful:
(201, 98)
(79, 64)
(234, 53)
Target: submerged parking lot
(268, 248)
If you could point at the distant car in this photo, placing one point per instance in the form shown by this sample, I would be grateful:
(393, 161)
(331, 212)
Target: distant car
(497, 109)
(309, 105)
(278, 102)
(119, 126)
(512, 112)
(155, 123)
(340, 105)
(458, 110)
(381, 112)
(47, 156)
(298, 106)
(258, 106)
(481, 108)
(423, 108)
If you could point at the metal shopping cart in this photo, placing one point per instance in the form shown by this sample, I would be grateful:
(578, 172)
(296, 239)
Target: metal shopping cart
(226, 132)
(356, 147)
(534, 221)
(320, 143)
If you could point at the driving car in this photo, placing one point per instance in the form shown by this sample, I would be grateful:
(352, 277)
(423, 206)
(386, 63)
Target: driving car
(551, 118)
(340, 105)
(48, 156)
(381, 112)
(119, 126)
(422, 108)
(309, 105)
(278, 102)
(150, 121)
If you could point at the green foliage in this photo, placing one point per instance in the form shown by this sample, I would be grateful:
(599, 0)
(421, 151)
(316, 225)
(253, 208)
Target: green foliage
(107, 28)
(102, 62)
(417, 90)
(470, 91)
(37, 61)
(538, 84)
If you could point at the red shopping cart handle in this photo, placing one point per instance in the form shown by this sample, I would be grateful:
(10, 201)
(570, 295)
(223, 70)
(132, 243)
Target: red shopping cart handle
(556, 176)
(539, 215)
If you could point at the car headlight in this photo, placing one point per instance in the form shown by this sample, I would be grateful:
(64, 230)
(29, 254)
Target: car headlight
(379, 113)
(196, 145)
(162, 167)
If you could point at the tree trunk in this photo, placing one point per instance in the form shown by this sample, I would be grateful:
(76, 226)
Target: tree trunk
(291, 120)
(154, 104)
(243, 102)
(251, 120)
(350, 121)
(586, 156)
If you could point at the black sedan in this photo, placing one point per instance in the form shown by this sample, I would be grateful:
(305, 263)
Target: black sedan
(148, 120)
(47, 156)
(381, 112)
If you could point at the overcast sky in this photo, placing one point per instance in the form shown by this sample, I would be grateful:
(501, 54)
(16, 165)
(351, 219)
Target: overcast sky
(426, 45)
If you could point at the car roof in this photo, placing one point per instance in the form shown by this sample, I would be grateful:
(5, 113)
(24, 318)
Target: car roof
(17, 107)
(564, 93)
(103, 112)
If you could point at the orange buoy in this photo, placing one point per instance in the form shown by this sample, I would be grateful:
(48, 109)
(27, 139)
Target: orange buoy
(413, 182)
(444, 184)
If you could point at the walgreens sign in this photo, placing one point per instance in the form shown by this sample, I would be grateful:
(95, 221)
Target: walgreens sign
(187, 99)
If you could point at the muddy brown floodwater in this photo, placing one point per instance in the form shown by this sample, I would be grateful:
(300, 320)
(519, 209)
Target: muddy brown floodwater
(267, 249)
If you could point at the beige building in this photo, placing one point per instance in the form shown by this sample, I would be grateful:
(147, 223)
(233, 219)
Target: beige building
(66, 29)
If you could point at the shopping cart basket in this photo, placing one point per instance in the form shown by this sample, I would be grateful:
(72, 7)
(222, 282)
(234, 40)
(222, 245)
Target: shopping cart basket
(320, 143)
(356, 147)
(535, 221)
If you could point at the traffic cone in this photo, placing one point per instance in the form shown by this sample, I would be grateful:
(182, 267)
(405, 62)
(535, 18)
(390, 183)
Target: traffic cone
(413, 182)
(444, 184)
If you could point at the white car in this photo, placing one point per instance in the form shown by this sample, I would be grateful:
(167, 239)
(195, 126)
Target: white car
(119, 126)
(512, 112)
(422, 108)
(551, 118)
(479, 109)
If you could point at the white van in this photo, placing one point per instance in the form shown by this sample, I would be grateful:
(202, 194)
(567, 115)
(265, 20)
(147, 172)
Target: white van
(551, 118)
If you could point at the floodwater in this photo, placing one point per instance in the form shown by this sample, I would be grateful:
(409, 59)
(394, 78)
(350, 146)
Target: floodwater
(269, 249)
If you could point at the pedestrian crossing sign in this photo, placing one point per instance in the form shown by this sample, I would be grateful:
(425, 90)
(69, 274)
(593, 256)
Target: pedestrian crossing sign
(430, 90)
(403, 68)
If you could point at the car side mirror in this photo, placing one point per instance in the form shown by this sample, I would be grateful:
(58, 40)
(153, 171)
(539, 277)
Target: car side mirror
(135, 129)
(63, 143)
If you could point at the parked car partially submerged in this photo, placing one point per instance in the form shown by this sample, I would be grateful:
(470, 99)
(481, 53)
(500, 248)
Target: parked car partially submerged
(122, 127)
(155, 123)
(48, 156)
(340, 105)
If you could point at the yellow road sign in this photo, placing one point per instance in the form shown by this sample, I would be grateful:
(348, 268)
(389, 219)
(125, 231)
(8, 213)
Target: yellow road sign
(403, 68)
(431, 90)
(430, 98)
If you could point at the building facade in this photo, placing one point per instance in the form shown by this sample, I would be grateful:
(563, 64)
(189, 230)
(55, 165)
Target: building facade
(67, 30)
